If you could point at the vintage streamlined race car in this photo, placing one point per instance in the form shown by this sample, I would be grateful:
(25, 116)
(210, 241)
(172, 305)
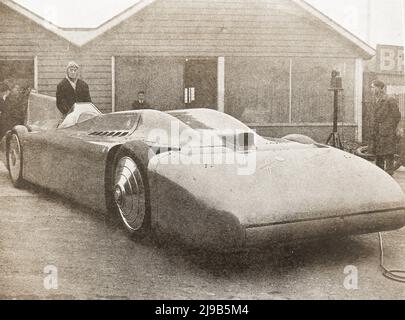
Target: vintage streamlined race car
(201, 176)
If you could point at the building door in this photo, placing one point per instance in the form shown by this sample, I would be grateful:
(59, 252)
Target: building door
(200, 83)
(160, 78)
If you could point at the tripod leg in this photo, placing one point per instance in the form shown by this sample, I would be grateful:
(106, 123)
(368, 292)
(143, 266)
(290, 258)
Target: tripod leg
(329, 139)
(339, 142)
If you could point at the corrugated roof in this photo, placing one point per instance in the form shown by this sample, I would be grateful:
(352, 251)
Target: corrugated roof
(81, 37)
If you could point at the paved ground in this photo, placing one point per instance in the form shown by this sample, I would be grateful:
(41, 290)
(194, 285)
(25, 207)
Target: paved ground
(95, 259)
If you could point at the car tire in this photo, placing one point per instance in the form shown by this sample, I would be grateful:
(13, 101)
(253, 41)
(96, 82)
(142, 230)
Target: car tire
(128, 193)
(14, 157)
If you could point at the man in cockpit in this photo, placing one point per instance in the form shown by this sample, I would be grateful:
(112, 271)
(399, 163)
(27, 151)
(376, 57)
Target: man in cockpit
(71, 90)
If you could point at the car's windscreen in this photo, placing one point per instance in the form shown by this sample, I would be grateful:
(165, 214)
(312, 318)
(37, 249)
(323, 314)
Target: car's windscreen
(80, 113)
(110, 122)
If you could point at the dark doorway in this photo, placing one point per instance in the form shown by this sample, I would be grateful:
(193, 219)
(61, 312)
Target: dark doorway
(19, 72)
(200, 83)
(160, 78)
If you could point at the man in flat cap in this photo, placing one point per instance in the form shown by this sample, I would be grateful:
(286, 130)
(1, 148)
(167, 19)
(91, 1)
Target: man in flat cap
(386, 119)
(71, 89)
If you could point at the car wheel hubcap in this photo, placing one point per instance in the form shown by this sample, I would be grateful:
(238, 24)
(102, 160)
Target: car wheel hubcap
(14, 158)
(118, 196)
(129, 193)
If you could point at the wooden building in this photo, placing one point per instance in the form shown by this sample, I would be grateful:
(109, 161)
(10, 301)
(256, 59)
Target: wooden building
(266, 62)
(34, 51)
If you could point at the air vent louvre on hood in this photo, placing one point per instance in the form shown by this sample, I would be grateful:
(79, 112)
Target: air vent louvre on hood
(109, 133)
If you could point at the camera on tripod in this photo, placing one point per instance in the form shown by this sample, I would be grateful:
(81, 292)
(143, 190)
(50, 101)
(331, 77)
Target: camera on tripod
(336, 85)
(336, 82)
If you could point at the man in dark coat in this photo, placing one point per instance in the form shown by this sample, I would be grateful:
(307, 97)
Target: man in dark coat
(386, 120)
(141, 102)
(71, 90)
(14, 110)
(4, 92)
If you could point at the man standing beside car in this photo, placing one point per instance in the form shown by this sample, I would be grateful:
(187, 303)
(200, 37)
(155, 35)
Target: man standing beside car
(4, 93)
(14, 111)
(141, 103)
(71, 90)
(386, 120)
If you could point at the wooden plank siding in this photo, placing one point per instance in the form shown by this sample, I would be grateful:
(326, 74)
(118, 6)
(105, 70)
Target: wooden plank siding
(257, 38)
(223, 28)
(161, 79)
(261, 41)
(96, 72)
(20, 38)
(258, 90)
(312, 101)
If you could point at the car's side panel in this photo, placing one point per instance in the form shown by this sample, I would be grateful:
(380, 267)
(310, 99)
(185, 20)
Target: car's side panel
(77, 169)
(69, 165)
(35, 157)
(178, 213)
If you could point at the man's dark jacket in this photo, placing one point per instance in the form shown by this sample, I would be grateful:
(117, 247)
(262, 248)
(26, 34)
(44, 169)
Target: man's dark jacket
(386, 119)
(2, 110)
(136, 105)
(13, 113)
(2, 105)
(66, 96)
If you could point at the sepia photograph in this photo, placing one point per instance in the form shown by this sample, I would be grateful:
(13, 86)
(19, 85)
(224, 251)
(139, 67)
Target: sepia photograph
(202, 150)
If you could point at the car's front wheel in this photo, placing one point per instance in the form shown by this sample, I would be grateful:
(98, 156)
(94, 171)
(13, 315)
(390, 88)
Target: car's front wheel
(130, 193)
(15, 160)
